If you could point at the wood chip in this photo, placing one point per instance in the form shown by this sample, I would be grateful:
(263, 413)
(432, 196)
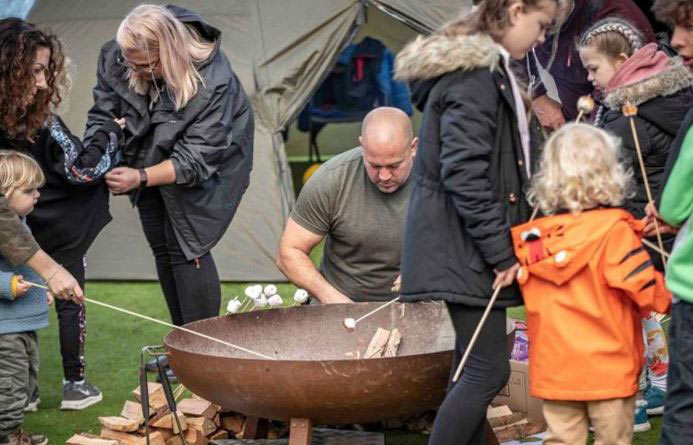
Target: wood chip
(116, 423)
(393, 343)
(377, 345)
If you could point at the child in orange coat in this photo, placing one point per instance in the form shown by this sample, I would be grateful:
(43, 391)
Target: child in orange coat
(586, 279)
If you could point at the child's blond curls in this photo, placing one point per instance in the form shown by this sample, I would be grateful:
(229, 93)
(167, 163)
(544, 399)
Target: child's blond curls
(580, 169)
(18, 171)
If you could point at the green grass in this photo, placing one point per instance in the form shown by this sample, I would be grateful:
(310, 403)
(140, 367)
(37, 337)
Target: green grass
(114, 342)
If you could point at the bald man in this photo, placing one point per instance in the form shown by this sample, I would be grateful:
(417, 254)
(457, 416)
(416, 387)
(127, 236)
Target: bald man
(357, 200)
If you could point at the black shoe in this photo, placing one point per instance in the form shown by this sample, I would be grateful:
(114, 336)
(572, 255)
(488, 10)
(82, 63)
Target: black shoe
(151, 364)
(169, 375)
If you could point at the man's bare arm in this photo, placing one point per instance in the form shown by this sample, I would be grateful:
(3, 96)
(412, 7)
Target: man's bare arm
(294, 262)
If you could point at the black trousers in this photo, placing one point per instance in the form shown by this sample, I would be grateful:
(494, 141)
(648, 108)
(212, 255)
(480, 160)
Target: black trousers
(461, 417)
(72, 326)
(191, 288)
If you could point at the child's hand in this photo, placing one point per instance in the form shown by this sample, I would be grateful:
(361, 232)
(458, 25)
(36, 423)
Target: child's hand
(22, 287)
(49, 298)
(120, 122)
(505, 278)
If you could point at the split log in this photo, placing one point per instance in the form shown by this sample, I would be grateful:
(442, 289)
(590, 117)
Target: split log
(498, 411)
(157, 398)
(233, 423)
(155, 438)
(393, 343)
(164, 419)
(219, 434)
(122, 424)
(195, 437)
(198, 407)
(516, 432)
(377, 345)
(90, 439)
(202, 424)
(503, 421)
(132, 410)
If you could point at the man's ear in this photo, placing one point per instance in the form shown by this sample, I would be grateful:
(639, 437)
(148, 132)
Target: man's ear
(414, 146)
(361, 141)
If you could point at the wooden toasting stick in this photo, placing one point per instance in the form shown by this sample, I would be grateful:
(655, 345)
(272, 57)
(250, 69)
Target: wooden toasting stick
(350, 323)
(630, 110)
(585, 105)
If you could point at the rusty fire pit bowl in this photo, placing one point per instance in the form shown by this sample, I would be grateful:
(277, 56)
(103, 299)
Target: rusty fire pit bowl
(316, 374)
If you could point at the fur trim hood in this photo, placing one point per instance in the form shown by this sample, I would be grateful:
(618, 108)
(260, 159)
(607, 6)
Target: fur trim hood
(665, 83)
(432, 56)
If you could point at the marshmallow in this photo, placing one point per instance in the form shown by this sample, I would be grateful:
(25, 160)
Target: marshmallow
(233, 306)
(253, 291)
(585, 104)
(349, 324)
(261, 301)
(275, 300)
(300, 296)
(270, 290)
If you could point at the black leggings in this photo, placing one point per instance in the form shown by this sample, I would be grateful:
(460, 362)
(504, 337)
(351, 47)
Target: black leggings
(72, 327)
(461, 417)
(191, 288)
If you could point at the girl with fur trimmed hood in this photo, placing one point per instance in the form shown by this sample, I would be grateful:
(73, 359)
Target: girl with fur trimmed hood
(469, 175)
(624, 71)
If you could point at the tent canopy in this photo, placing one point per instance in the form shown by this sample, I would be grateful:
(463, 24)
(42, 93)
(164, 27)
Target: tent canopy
(280, 50)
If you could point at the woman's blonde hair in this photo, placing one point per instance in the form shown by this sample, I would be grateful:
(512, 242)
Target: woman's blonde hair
(153, 30)
(580, 169)
(18, 171)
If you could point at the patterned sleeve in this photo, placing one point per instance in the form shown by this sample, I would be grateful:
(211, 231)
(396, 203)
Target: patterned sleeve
(86, 164)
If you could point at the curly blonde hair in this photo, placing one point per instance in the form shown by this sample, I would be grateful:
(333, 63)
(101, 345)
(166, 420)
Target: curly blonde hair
(580, 169)
(17, 171)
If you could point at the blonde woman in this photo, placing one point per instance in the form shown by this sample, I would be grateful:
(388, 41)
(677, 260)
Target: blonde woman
(585, 278)
(188, 144)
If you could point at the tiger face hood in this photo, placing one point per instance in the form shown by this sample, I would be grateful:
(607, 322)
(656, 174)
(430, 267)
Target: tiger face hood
(556, 248)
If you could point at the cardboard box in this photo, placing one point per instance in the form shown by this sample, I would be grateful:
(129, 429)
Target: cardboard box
(516, 393)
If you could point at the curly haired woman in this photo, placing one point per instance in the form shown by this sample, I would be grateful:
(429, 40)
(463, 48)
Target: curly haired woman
(73, 207)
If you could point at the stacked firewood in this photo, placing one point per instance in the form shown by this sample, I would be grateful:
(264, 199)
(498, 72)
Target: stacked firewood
(508, 425)
(199, 421)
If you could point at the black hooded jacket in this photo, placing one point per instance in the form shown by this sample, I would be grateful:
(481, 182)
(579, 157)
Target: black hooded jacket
(469, 172)
(209, 140)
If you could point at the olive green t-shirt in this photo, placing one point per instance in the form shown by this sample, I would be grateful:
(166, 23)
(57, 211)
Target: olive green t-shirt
(364, 226)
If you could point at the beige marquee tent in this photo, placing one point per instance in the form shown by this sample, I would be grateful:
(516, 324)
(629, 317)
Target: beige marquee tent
(281, 50)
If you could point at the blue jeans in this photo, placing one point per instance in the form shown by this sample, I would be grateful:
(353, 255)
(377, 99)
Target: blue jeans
(677, 421)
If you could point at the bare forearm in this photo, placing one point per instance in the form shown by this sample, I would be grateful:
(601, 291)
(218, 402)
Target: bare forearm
(161, 174)
(42, 264)
(300, 270)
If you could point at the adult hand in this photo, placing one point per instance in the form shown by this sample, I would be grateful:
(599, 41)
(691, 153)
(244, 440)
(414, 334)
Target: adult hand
(505, 278)
(22, 287)
(397, 284)
(64, 286)
(120, 122)
(122, 179)
(651, 230)
(49, 298)
(548, 112)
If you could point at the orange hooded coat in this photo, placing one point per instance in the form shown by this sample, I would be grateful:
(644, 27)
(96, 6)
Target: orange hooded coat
(586, 280)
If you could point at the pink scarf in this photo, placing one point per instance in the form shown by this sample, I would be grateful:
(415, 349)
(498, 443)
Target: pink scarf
(644, 63)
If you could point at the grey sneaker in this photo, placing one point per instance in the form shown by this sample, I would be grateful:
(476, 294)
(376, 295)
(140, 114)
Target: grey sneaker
(33, 403)
(21, 437)
(79, 395)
